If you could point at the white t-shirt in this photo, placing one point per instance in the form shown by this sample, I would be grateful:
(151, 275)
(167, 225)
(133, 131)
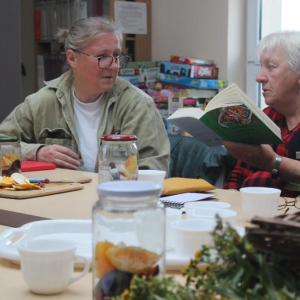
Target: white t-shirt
(87, 117)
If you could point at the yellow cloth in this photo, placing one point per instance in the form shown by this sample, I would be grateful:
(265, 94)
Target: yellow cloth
(177, 185)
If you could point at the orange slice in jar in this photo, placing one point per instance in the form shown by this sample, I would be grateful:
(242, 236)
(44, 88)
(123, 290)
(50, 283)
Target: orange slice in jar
(132, 259)
(103, 264)
(131, 164)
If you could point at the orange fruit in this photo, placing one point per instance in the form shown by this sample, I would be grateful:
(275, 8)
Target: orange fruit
(131, 164)
(103, 264)
(5, 181)
(7, 160)
(132, 259)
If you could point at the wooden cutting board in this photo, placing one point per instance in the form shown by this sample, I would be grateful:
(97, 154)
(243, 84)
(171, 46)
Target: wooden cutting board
(49, 189)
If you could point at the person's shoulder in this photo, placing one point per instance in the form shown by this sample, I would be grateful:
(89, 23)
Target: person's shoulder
(272, 113)
(48, 92)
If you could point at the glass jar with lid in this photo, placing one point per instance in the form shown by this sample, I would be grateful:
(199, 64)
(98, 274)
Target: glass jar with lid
(11, 155)
(128, 236)
(118, 157)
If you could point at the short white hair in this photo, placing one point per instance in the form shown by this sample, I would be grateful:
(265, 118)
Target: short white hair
(289, 41)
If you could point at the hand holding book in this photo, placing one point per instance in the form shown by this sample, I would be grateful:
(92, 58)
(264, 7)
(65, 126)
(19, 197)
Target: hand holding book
(231, 116)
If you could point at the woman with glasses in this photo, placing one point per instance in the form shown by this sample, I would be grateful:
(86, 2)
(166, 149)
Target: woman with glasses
(63, 122)
(275, 166)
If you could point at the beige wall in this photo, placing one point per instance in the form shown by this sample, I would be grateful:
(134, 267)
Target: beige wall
(211, 29)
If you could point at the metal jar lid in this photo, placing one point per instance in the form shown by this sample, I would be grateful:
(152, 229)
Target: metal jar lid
(119, 137)
(128, 189)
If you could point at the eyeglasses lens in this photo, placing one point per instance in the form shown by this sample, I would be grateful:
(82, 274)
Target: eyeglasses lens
(105, 62)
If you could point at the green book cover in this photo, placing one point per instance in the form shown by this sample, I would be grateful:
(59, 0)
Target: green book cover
(239, 124)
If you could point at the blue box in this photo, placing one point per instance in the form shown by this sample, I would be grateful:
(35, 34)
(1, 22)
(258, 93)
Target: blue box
(167, 67)
(213, 84)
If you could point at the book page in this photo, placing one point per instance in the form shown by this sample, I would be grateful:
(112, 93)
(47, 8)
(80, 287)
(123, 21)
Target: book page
(197, 129)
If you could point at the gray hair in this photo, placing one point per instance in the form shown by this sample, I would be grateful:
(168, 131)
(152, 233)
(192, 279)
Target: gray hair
(289, 41)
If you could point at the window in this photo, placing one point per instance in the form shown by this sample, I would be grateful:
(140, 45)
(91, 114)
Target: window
(265, 17)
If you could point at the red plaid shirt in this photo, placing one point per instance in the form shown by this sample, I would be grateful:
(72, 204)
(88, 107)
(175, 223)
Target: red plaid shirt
(244, 175)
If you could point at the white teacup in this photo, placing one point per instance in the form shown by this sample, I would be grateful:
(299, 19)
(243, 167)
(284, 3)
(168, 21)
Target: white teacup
(172, 215)
(260, 201)
(206, 204)
(226, 215)
(192, 234)
(48, 265)
(156, 176)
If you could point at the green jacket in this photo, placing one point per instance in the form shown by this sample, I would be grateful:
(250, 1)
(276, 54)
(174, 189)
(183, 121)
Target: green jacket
(47, 117)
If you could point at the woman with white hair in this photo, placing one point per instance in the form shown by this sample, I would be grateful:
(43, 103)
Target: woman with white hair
(64, 121)
(275, 166)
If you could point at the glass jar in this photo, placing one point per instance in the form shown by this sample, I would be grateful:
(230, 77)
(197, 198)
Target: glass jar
(128, 236)
(118, 157)
(11, 155)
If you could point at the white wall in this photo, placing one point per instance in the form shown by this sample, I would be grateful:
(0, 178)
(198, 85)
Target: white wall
(236, 39)
(211, 29)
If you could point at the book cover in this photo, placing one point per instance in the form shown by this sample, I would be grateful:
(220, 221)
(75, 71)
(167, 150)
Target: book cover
(229, 116)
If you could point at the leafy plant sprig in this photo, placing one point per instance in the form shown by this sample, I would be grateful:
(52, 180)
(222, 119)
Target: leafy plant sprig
(230, 269)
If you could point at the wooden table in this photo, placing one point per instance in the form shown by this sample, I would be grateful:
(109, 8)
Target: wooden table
(72, 205)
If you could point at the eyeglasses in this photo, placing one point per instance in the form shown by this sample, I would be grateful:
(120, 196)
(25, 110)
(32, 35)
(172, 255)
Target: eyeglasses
(295, 202)
(105, 62)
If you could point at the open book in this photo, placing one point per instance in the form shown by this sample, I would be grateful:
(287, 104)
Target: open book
(231, 116)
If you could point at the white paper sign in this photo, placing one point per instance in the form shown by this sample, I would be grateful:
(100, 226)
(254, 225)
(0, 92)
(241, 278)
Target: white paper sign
(132, 16)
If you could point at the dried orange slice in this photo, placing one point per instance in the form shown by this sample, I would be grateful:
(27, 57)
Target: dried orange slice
(132, 259)
(103, 264)
(19, 179)
(5, 181)
(22, 183)
(131, 164)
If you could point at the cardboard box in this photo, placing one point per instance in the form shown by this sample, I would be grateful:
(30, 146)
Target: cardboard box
(184, 90)
(142, 64)
(143, 73)
(190, 61)
(175, 69)
(193, 82)
(193, 71)
(204, 72)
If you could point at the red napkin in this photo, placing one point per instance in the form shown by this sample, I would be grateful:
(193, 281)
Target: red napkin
(27, 166)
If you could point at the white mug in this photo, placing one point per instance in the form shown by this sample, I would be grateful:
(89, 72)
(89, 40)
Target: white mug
(156, 176)
(48, 265)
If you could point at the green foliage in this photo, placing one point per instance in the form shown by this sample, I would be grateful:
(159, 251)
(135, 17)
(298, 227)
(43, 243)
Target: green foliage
(230, 269)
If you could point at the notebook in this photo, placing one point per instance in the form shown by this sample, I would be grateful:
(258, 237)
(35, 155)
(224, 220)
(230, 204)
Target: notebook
(180, 199)
(27, 166)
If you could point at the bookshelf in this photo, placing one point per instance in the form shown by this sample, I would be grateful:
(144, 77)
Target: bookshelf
(138, 46)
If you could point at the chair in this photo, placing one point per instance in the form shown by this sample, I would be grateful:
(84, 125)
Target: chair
(190, 158)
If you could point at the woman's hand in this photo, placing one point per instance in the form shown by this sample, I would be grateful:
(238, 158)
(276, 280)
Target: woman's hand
(61, 156)
(259, 156)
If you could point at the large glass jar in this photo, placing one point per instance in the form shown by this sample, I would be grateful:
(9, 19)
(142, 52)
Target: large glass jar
(128, 236)
(11, 155)
(118, 157)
